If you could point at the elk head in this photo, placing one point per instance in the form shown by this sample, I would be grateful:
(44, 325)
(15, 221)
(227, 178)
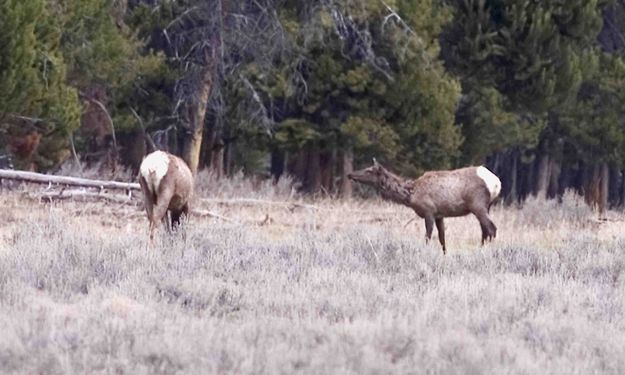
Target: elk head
(371, 176)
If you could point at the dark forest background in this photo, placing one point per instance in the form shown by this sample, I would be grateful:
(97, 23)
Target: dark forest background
(313, 89)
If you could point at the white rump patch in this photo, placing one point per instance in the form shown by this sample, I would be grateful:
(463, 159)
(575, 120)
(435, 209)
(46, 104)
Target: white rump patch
(153, 169)
(493, 184)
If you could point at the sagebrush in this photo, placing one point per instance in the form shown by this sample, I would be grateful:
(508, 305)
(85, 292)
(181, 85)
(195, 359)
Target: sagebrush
(342, 287)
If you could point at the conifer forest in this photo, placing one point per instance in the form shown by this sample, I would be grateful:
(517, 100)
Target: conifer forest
(492, 131)
(314, 89)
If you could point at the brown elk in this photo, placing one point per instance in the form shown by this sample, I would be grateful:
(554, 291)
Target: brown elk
(439, 194)
(167, 185)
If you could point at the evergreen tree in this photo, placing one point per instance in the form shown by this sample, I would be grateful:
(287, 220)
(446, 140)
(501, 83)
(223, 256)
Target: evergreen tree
(112, 72)
(594, 123)
(38, 110)
(369, 82)
(528, 50)
(489, 129)
(520, 61)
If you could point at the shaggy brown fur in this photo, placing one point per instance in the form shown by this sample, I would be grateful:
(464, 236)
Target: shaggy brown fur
(169, 192)
(437, 195)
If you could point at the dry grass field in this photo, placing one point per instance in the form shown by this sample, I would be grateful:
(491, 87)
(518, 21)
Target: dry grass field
(341, 287)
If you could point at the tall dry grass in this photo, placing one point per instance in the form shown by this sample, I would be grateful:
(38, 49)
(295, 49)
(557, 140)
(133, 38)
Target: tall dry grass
(342, 287)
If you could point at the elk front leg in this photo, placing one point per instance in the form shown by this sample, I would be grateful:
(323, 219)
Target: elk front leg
(178, 215)
(429, 226)
(440, 226)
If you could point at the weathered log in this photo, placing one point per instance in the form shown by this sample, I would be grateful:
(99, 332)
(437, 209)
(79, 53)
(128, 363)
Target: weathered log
(64, 180)
(79, 195)
(252, 202)
(202, 213)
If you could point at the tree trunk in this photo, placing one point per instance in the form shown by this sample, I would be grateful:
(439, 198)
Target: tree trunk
(554, 179)
(615, 183)
(217, 158)
(347, 167)
(622, 192)
(542, 178)
(528, 173)
(297, 165)
(313, 180)
(196, 114)
(229, 158)
(134, 144)
(580, 182)
(567, 174)
(278, 165)
(206, 150)
(592, 191)
(327, 163)
(512, 196)
(604, 186)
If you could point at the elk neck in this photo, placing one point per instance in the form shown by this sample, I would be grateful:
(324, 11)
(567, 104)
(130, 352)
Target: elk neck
(396, 189)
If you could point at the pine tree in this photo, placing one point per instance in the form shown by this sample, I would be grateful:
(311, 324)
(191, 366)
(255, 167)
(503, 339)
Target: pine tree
(520, 61)
(112, 72)
(489, 129)
(370, 86)
(594, 123)
(528, 50)
(38, 110)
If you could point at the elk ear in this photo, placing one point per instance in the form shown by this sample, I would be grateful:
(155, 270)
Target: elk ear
(375, 162)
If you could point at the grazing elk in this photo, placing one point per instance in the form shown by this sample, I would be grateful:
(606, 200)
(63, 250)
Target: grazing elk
(439, 194)
(167, 185)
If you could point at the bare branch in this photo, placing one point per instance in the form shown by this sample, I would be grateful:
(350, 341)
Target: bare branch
(180, 17)
(108, 116)
(257, 99)
(26, 118)
(145, 133)
(397, 18)
(74, 154)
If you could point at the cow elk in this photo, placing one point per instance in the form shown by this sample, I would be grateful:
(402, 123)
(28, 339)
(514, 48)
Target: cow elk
(167, 185)
(439, 194)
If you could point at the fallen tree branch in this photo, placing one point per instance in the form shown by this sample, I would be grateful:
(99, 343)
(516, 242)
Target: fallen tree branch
(251, 201)
(603, 220)
(201, 213)
(52, 196)
(64, 180)
(78, 195)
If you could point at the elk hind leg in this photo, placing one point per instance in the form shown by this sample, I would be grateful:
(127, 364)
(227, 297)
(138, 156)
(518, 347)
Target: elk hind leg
(159, 213)
(489, 230)
(149, 199)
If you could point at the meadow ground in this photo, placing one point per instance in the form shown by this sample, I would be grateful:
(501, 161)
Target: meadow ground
(344, 287)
